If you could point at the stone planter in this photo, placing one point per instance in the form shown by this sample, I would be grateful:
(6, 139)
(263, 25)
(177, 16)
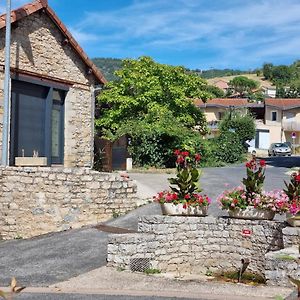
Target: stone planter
(293, 220)
(171, 209)
(251, 213)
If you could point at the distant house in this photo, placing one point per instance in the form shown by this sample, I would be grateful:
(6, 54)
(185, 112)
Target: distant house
(276, 120)
(214, 110)
(221, 84)
(269, 91)
(52, 89)
(282, 117)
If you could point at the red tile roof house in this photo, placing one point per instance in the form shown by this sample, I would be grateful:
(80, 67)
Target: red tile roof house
(282, 118)
(52, 116)
(214, 110)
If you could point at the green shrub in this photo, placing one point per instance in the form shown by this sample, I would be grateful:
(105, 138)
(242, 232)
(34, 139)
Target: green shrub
(228, 148)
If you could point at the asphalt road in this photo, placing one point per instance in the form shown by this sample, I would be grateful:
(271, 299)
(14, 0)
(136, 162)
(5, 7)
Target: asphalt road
(57, 257)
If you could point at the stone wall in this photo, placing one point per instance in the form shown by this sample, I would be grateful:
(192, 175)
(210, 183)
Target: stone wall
(291, 236)
(37, 47)
(35, 201)
(281, 264)
(197, 244)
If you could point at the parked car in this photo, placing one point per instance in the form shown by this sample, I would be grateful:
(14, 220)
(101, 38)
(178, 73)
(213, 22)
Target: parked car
(279, 149)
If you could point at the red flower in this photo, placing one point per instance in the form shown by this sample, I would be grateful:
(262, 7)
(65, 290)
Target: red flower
(197, 157)
(262, 163)
(187, 196)
(179, 160)
(177, 152)
(185, 153)
(297, 178)
(248, 165)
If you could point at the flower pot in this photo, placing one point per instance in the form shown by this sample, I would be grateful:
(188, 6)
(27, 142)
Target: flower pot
(252, 213)
(171, 209)
(293, 220)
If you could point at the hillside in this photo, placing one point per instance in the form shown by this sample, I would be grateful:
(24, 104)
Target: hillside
(108, 66)
(262, 82)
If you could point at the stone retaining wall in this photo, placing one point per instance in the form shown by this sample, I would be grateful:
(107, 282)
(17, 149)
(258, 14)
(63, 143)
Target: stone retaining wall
(197, 244)
(281, 264)
(35, 201)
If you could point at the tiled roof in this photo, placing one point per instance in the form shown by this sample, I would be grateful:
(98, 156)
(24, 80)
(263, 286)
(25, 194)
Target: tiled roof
(283, 103)
(222, 102)
(37, 5)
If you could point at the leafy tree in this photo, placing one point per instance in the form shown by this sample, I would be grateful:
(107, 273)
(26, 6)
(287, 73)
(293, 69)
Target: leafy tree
(242, 84)
(152, 103)
(215, 91)
(282, 74)
(241, 123)
(268, 71)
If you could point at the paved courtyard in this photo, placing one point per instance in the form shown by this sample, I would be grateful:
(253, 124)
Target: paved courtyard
(52, 258)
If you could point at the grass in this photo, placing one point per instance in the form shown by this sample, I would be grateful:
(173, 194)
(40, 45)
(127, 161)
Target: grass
(152, 271)
(285, 257)
(247, 277)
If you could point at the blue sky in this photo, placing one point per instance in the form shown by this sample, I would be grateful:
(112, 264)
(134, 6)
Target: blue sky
(199, 34)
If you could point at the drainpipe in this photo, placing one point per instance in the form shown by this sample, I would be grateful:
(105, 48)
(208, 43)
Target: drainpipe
(6, 119)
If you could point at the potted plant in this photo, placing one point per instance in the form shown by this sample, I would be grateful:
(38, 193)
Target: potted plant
(250, 201)
(293, 193)
(184, 197)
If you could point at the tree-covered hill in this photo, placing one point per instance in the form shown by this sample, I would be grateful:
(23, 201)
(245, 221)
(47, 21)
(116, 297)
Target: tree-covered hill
(108, 66)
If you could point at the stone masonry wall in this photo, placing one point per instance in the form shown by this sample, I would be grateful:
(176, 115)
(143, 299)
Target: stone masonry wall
(197, 244)
(37, 47)
(35, 201)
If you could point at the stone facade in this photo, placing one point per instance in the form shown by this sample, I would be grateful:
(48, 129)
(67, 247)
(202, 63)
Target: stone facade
(37, 47)
(280, 264)
(35, 201)
(197, 244)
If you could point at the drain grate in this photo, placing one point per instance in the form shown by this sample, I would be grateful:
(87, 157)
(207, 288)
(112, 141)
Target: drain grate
(112, 229)
(139, 264)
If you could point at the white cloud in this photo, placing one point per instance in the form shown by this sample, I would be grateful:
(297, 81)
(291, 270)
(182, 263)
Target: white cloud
(234, 29)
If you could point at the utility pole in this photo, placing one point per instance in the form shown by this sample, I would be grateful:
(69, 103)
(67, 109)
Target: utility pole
(6, 118)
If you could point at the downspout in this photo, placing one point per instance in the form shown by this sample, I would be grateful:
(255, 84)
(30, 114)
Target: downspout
(6, 110)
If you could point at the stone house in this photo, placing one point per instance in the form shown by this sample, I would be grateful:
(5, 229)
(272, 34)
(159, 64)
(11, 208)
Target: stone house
(52, 89)
(53, 84)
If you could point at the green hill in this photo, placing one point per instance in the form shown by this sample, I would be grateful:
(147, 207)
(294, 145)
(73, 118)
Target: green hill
(108, 66)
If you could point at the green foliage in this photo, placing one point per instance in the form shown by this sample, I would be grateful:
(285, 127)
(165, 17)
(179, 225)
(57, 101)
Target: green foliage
(228, 148)
(151, 103)
(255, 178)
(241, 122)
(293, 186)
(108, 66)
(243, 84)
(152, 271)
(285, 77)
(187, 175)
(212, 73)
(215, 91)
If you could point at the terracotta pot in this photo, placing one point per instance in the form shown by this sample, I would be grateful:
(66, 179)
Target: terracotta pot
(293, 220)
(252, 213)
(171, 209)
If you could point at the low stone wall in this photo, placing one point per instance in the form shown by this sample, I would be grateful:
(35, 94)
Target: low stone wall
(196, 244)
(35, 201)
(291, 236)
(281, 264)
